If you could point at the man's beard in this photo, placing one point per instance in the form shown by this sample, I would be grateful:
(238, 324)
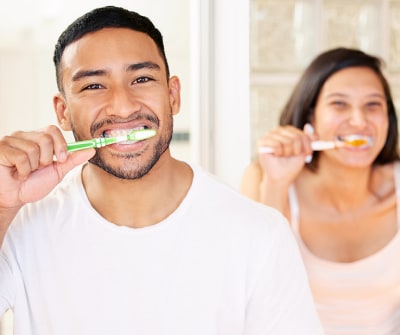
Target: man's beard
(133, 166)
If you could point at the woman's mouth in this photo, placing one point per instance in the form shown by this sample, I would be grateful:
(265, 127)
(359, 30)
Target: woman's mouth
(355, 140)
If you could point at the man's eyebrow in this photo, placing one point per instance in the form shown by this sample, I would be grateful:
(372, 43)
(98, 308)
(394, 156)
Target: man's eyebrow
(143, 65)
(131, 67)
(88, 73)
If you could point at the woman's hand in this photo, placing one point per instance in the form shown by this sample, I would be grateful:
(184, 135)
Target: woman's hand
(291, 149)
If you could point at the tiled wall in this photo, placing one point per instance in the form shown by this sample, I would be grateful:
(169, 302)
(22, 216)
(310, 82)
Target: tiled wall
(287, 34)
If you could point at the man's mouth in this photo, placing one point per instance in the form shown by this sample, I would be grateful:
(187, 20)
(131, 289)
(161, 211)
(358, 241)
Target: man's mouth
(122, 132)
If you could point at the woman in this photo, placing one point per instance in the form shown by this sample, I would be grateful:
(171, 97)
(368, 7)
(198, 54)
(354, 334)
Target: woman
(342, 202)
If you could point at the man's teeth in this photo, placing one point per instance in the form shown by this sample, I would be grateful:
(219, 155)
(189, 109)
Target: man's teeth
(120, 132)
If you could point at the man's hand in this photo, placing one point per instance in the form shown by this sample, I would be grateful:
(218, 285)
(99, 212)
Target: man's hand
(32, 164)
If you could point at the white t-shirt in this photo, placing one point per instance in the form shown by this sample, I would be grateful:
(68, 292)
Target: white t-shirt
(221, 264)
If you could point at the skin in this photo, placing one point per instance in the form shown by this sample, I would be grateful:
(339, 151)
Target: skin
(348, 207)
(113, 80)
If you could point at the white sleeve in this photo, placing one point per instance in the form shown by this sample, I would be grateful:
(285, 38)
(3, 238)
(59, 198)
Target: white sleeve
(280, 302)
(7, 285)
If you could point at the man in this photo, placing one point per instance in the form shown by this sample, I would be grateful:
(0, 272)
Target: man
(134, 241)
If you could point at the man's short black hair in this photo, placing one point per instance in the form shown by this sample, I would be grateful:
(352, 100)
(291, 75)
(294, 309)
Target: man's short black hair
(106, 17)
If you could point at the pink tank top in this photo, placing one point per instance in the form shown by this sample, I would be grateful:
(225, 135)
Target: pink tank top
(357, 298)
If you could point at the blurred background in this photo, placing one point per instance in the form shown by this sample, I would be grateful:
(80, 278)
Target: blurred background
(286, 35)
(237, 60)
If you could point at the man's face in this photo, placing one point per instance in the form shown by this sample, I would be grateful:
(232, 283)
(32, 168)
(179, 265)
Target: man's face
(114, 81)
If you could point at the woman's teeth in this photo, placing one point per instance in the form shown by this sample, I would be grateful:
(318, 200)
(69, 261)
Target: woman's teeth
(356, 140)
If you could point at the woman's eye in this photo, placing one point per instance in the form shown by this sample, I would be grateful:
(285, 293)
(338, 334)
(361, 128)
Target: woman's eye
(373, 104)
(339, 104)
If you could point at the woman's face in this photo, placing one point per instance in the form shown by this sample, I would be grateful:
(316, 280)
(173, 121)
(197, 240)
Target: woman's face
(353, 102)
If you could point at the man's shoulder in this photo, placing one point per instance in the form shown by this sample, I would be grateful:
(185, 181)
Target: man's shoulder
(221, 200)
(217, 190)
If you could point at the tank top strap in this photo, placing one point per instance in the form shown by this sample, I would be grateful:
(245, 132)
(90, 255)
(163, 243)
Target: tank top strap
(294, 208)
(396, 172)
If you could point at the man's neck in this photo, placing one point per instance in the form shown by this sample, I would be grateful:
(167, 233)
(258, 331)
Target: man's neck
(140, 202)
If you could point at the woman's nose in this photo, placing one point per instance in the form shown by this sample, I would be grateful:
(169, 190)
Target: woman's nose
(358, 117)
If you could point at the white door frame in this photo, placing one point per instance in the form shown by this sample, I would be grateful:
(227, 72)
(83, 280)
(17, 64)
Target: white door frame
(220, 88)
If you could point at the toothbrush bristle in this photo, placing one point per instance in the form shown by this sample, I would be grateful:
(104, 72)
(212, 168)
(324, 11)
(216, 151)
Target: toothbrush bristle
(143, 134)
(357, 143)
(355, 140)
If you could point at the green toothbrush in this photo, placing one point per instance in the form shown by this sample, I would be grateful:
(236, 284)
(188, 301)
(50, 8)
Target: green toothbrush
(134, 135)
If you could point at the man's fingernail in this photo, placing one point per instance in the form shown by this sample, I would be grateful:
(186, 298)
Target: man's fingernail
(62, 156)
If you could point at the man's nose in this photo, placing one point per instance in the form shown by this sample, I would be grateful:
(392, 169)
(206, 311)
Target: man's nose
(123, 103)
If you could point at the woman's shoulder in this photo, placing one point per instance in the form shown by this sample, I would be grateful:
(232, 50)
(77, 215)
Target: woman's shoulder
(386, 171)
(386, 178)
(254, 169)
(251, 179)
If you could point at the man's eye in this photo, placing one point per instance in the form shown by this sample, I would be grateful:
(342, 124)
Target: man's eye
(141, 80)
(93, 87)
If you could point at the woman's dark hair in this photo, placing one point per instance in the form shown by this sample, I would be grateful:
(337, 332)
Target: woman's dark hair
(300, 107)
(106, 17)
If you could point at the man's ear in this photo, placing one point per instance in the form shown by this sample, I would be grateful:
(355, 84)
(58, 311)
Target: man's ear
(60, 107)
(174, 87)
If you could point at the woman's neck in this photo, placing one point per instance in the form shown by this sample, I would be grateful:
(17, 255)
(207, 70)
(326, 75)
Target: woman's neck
(341, 187)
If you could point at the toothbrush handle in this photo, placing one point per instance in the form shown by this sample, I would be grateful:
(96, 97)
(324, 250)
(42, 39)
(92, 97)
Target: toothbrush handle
(137, 135)
(323, 145)
(81, 145)
(93, 143)
(315, 145)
